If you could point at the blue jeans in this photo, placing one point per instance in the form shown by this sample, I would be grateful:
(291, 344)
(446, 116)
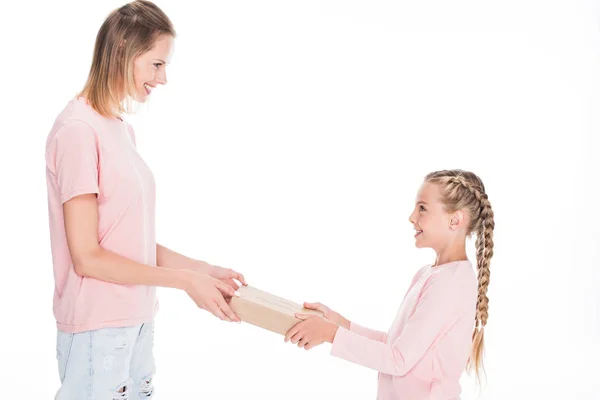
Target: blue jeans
(106, 364)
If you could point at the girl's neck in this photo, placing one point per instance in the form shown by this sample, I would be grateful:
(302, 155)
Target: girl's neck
(457, 252)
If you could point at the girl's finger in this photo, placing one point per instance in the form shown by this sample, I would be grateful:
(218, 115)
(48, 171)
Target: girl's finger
(290, 333)
(297, 337)
(315, 306)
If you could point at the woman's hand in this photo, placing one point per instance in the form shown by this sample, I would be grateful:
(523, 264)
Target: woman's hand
(329, 314)
(227, 276)
(210, 294)
(312, 331)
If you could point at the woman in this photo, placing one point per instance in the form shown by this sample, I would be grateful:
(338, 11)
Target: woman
(101, 199)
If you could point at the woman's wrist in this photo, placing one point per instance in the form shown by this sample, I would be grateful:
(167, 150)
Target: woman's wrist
(203, 267)
(183, 278)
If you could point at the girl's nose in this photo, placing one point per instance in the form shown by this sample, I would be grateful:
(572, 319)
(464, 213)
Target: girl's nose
(411, 219)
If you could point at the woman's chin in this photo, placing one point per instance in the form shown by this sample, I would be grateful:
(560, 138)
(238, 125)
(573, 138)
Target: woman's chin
(141, 97)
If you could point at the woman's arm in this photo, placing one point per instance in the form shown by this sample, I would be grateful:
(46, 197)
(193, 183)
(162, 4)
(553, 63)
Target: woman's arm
(91, 260)
(170, 259)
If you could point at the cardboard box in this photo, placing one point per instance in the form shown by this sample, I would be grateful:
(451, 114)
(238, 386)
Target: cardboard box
(267, 311)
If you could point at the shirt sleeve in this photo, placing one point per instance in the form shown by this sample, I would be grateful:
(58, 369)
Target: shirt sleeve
(73, 158)
(437, 310)
(369, 333)
(378, 335)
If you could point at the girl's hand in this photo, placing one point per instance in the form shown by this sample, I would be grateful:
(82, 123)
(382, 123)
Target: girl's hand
(312, 331)
(329, 314)
(227, 276)
(209, 294)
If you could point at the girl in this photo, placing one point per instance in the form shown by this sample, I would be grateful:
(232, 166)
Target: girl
(433, 338)
(101, 201)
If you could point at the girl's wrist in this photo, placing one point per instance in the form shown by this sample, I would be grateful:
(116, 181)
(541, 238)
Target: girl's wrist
(332, 333)
(345, 323)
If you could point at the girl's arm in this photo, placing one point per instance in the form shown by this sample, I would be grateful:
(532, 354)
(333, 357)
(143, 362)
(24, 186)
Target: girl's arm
(368, 333)
(442, 300)
(379, 335)
(340, 320)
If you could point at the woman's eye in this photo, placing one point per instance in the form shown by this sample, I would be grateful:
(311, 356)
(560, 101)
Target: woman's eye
(157, 65)
(421, 208)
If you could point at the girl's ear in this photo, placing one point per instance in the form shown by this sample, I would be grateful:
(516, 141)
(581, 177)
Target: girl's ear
(457, 220)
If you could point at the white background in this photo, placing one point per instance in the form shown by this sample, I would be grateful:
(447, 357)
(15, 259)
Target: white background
(289, 144)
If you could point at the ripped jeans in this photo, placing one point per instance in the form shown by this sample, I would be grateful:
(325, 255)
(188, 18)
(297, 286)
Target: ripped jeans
(106, 364)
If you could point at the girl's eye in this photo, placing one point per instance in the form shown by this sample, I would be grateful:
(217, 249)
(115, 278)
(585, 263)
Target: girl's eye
(421, 208)
(157, 65)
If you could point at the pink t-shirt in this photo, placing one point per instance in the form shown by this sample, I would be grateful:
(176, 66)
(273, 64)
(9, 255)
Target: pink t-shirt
(89, 153)
(425, 352)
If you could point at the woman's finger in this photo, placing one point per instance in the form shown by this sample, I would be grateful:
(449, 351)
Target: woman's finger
(225, 289)
(233, 284)
(222, 304)
(216, 311)
(239, 277)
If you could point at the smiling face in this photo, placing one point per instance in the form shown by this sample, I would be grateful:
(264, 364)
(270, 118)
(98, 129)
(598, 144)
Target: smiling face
(434, 226)
(149, 69)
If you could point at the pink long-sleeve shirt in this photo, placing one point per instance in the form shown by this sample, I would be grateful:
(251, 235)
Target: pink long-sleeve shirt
(424, 353)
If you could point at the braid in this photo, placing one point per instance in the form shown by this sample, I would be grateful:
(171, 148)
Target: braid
(485, 251)
(482, 222)
(484, 246)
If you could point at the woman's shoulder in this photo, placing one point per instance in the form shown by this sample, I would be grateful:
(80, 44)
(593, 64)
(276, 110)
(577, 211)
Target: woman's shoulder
(73, 111)
(78, 112)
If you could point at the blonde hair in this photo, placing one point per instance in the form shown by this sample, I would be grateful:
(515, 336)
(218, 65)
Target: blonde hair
(463, 190)
(127, 33)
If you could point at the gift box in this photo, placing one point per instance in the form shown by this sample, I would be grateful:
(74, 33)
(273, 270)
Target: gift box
(266, 310)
